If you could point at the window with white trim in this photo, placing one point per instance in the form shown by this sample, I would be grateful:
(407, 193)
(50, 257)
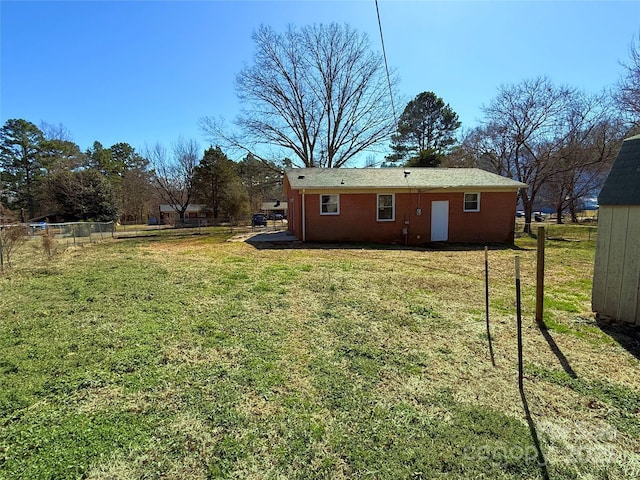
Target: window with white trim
(330, 204)
(386, 207)
(471, 202)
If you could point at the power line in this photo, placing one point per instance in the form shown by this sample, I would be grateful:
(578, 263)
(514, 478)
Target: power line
(386, 65)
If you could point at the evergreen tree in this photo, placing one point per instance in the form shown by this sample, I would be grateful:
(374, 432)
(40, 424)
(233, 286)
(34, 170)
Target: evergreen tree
(426, 131)
(211, 177)
(84, 195)
(21, 163)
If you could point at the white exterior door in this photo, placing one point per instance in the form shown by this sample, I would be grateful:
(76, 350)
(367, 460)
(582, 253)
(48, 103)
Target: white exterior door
(439, 221)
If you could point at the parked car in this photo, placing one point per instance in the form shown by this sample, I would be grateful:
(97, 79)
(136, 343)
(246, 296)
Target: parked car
(539, 216)
(258, 219)
(38, 226)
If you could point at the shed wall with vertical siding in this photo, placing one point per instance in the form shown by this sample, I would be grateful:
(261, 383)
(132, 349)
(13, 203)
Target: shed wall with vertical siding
(616, 275)
(616, 285)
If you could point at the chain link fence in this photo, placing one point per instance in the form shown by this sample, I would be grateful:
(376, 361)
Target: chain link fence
(23, 242)
(570, 232)
(48, 238)
(74, 233)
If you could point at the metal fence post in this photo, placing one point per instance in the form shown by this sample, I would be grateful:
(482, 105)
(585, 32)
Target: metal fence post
(1, 253)
(519, 325)
(540, 276)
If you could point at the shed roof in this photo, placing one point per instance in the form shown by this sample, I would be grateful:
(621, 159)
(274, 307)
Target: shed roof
(622, 186)
(400, 178)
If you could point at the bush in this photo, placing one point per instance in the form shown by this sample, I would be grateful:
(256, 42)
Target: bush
(11, 237)
(49, 243)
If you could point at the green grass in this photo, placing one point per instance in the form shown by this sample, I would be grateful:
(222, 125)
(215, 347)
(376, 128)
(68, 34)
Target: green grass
(194, 357)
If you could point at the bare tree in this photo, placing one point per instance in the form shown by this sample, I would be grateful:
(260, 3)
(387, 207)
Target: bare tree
(12, 235)
(318, 92)
(173, 172)
(594, 133)
(628, 92)
(557, 140)
(56, 132)
(520, 134)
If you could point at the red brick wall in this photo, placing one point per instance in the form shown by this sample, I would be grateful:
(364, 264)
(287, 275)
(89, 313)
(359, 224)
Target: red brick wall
(293, 212)
(495, 222)
(357, 222)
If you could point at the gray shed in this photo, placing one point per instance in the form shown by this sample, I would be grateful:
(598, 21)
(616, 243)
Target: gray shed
(616, 276)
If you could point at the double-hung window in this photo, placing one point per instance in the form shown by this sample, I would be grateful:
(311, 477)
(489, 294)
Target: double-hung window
(330, 204)
(471, 202)
(386, 207)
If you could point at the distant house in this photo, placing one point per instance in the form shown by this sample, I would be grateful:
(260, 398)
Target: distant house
(275, 207)
(401, 205)
(194, 214)
(616, 276)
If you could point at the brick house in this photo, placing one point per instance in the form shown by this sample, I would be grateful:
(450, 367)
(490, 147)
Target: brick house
(401, 205)
(193, 215)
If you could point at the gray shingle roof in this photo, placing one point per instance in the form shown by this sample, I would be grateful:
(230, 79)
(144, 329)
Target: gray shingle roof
(622, 186)
(398, 178)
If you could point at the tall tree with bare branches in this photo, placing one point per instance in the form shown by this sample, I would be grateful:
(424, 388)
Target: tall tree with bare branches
(173, 172)
(521, 133)
(318, 93)
(628, 92)
(594, 133)
(542, 134)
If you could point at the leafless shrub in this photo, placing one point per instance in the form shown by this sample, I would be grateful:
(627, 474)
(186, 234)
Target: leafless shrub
(49, 243)
(11, 237)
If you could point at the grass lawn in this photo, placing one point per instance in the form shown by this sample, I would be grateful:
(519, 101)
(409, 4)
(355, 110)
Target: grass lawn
(196, 357)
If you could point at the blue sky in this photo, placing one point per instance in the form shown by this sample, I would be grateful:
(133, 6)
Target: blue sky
(143, 72)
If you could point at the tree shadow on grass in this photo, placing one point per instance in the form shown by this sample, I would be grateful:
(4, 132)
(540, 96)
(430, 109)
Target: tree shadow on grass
(627, 335)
